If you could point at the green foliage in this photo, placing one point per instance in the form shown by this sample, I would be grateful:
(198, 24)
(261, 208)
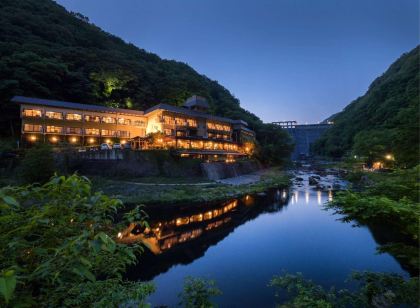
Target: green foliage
(37, 165)
(384, 119)
(57, 241)
(275, 145)
(392, 201)
(374, 290)
(373, 144)
(197, 293)
(48, 52)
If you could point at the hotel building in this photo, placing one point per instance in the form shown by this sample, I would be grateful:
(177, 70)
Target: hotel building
(188, 129)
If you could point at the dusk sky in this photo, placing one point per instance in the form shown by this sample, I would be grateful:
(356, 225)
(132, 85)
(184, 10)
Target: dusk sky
(283, 59)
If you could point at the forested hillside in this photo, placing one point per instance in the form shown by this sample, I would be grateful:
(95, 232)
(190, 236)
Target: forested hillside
(48, 52)
(384, 120)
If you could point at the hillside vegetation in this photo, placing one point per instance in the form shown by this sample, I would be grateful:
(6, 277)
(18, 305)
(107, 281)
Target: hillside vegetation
(48, 52)
(384, 120)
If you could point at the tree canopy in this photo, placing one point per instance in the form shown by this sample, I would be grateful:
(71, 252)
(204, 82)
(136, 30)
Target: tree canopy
(48, 52)
(384, 119)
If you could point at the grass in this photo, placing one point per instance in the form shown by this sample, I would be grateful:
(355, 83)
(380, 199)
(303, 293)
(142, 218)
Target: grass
(132, 193)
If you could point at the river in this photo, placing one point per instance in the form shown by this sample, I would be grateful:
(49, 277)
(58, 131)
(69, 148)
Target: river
(242, 243)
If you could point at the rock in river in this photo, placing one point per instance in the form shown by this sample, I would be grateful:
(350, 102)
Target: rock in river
(313, 181)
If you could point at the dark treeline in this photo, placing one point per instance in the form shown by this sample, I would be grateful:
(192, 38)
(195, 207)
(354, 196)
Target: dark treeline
(384, 120)
(48, 52)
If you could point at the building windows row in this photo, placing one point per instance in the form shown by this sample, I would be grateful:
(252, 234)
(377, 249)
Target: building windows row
(74, 130)
(218, 126)
(78, 117)
(179, 121)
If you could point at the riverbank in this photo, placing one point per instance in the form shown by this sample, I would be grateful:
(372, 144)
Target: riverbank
(388, 204)
(164, 193)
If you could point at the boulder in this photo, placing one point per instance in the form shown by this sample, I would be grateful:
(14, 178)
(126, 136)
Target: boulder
(313, 181)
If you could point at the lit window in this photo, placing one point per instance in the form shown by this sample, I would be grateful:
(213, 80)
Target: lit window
(123, 121)
(54, 129)
(108, 132)
(123, 133)
(54, 115)
(32, 113)
(109, 120)
(92, 131)
(91, 118)
(139, 123)
(32, 128)
(74, 130)
(73, 117)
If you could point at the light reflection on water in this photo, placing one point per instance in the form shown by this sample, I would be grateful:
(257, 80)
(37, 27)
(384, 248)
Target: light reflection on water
(243, 242)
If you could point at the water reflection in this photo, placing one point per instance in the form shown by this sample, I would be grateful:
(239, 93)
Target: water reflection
(183, 238)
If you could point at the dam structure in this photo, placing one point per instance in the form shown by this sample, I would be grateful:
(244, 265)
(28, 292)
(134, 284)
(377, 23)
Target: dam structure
(304, 135)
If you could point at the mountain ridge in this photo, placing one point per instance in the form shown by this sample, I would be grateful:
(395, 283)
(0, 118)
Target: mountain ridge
(387, 114)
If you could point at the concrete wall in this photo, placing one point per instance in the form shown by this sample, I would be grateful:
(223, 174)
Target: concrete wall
(150, 163)
(220, 170)
(304, 136)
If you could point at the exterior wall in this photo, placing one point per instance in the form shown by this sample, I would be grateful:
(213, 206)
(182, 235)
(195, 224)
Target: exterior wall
(77, 131)
(304, 136)
(184, 131)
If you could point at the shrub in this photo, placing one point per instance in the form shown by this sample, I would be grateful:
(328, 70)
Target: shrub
(57, 247)
(38, 165)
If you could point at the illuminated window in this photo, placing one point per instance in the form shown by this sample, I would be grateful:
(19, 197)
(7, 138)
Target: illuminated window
(123, 133)
(109, 120)
(73, 117)
(192, 122)
(54, 115)
(123, 121)
(74, 130)
(32, 113)
(168, 132)
(91, 118)
(92, 131)
(54, 129)
(211, 125)
(32, 128)
(140, 123)
(108, 132)
(180, 121)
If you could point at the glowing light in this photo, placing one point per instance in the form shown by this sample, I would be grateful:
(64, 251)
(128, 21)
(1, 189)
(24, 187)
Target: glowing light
(389, 156)
(54, 139)
(123, 142)
(107, 141)
(284, 194)
(91, 140)
(306, 197)
(160, 140)
(355, 156)
(73, 139)
(319, 197)
(330, 196)
(32, 138)
(119, 235)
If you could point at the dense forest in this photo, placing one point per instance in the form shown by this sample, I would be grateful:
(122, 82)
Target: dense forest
(384, 120)
(48, 52)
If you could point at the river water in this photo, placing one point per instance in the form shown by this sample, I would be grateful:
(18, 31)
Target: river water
(242, 243)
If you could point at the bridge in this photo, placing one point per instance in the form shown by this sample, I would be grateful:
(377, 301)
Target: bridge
(303, 135)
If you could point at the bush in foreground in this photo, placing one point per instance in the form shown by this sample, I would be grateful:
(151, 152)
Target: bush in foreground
(58, 248)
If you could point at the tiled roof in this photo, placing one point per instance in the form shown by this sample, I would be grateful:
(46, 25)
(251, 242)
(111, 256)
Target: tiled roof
(61, 104)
